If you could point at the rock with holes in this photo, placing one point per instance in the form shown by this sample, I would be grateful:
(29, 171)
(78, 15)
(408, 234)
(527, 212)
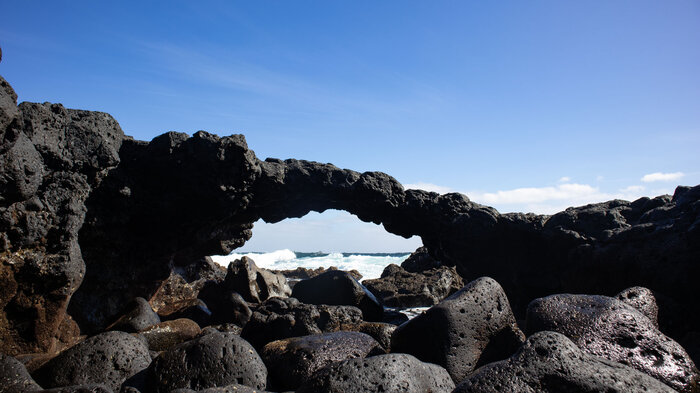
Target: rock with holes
(167, 334)
(108, 358)
(396, 372)
(217, 359)
(194, 309)
(253, 283)
(400, 288)
(549, 362)
(279, 318)
(293, 360)
(470, 328)
(642, 299)
(609, 328)
(235, 388)
(339, 288)
(226, 305)
(139, 315)
(89, 388)
(14, 377)
(379, 331)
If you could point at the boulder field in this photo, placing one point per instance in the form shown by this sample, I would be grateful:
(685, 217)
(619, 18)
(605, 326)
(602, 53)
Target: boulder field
(106, 286)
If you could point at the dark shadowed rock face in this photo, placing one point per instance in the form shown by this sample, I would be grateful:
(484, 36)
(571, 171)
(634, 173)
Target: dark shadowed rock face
(14, 377)
(609, 328)
(217, 359)
(400, 288)
(294, 360)
(470, 328)
(550, 363)
(108, 358)
(392, 373)
(139, 315)
(166, 335)
(253, 283)
(89, 388)
(339, 288)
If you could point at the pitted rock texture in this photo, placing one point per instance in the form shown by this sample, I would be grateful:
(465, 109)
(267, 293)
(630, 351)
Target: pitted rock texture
(226, 305)
(194, 309)
(235, 388)
(280, 318)
(643, 300)
(294, 360)
(88, 388)
(341, 289)
(51, 158)
(549, 362)
(468, 329)
(14, 377)
(379, 331)
(400, 288)
(217, 359)
(139, 315)
(166, 335)
(609, 328)
(108, 358)
(420, 260)
(391, 373)
(253, 283)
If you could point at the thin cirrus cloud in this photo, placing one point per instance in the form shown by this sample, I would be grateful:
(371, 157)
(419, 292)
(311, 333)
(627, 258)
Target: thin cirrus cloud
(660, 176)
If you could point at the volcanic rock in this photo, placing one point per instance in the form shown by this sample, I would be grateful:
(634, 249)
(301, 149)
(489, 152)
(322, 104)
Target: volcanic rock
(303, 273)
(339, 288)
(391, 373)
(609, 328)
(139, 316)
(280, 318)
(294, 360)
(14, 377)
(167, 334)
(379, 331)
(549, 362)
(194, 309)
(419, 261)
(108, 358)
(643, 300)
(235, 388)
(227, 306)
(399, 288)
(174, 289)
(217, 359)
(253, 283)
(88, 388)
(468, 329)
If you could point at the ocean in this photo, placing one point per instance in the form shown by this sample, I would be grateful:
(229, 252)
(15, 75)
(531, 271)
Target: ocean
(370, 265)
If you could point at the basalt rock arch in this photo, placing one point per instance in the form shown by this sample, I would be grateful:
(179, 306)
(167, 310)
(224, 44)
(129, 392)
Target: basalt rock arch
(137, 210)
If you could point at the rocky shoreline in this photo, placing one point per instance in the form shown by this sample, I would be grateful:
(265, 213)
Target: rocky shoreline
(106, 286)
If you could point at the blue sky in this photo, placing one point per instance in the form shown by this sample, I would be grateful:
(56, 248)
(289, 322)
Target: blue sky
(524, 106)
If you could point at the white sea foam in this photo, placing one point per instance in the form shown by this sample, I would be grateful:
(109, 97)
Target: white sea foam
(369, 265)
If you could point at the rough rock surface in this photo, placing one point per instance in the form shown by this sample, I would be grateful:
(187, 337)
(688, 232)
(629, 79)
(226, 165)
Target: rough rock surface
(643, 300)
(194, 309)
(549, 362)
(294, 360)
(302, 273)
(166, 335)
(379, 331)
(400, 288)
(609, 328)
(139, 315)
(420, 260)
(391, 373)
(108, 358)
(280, 318)
(217, 359)
(339, 288)
(468, 329)
(253, 283)
(235, 388)
(226, 305)
(88, 388)
(14, 377)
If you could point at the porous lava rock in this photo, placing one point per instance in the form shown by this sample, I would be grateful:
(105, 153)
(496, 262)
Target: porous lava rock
(108, 358)
(380, 331)
(468, 329)
(339, 288)
(419, 261)
(549, 362)
(139, 315)
(293, 360)
(609, 328)
(391, 373)
(14, 377)
(253, 283)
(217, 359)
(234, 388)
(87, 388)
(280, 318)
(643, 300)
(403, 289)
(166, 335)
(174, 289)
(226, 305)
(194, 309)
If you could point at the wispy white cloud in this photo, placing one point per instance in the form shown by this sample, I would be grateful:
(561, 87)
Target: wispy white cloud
(565, 179)
(428, 187)
(660, 176)
(632, 189)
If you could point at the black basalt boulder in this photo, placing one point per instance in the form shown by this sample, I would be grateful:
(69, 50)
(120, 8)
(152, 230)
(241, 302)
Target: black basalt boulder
(138, 316)
(293, 360)
(217, 359)
(643, 300)
(226, 305)
(391, 373)
(606, 327)
(89, 388)
(108, 358)
(339, 288)
(14, 377)
(400, 288)
(470, 328)
(549, 362)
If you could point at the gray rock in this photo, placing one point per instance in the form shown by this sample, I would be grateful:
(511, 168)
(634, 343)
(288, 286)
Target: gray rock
(235, 388)
(88, 388)
(400, 288)
(339, 288)
(253, 283)
(279, 318)
(420, 260)
(139, 316)
(293, 360)
(609, 328)
(549, 362)
(379, 331)
(217, 359)
(470, 328)
(108, 358)
(392, 373)
(166, 335)
(643, 300)
(14, 377)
